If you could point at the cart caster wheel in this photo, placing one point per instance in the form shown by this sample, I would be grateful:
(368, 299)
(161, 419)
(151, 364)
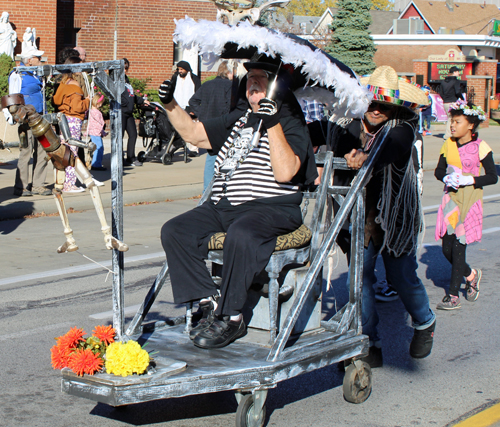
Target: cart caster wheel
(141, 156)
(357, 382)
(244, 413)
(166, 159)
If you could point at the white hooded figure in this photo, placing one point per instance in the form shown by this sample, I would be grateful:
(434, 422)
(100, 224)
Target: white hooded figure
(8, 37)
(29, 41)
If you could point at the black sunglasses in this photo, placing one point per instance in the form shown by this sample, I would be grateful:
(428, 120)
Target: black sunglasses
(379, 106)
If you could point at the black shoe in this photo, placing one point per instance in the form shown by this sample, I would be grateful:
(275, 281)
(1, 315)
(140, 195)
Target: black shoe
(22, 193)
(220, 333)
(127, 163)
(374, 359)
(207, 308)
(193, 153)
(421, 344)
(98, 168)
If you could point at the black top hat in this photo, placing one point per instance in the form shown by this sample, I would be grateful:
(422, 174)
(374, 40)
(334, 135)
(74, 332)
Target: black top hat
(453, 69)
(263, 62)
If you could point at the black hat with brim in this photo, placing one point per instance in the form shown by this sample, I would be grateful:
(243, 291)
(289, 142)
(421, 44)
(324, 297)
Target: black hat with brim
(265, 63)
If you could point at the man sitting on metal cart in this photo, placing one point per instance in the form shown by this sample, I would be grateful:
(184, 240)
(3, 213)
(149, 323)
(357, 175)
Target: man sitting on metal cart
(394, 217)
(256, 197)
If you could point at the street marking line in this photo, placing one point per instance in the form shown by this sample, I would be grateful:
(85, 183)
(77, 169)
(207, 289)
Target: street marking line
(75, 269)
(482, 419)
(487, 231)
(109, 314)
(22, 334)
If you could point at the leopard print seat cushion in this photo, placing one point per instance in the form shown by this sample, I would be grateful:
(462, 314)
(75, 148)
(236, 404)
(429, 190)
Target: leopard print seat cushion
(294, 240)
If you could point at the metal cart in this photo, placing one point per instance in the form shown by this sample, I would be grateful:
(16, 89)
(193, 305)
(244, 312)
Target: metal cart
(287, 334)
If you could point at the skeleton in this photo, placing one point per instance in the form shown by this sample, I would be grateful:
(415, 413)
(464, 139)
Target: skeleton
(61, 157)
(239, 10)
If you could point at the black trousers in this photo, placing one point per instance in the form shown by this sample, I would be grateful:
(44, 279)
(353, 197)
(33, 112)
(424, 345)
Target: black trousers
(251, 228)
(128, 125)
(455, 252)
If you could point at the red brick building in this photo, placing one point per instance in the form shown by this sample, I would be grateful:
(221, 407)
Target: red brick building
(143, 29)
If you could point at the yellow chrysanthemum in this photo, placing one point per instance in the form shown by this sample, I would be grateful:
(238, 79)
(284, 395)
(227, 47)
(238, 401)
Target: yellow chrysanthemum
(126, 358)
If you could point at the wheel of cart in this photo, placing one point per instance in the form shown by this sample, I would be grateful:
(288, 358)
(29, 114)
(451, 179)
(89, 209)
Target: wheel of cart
(357, 384)
(251, 410)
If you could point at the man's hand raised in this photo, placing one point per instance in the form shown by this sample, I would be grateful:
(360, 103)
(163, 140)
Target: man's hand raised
(167, 89)
(268, 112)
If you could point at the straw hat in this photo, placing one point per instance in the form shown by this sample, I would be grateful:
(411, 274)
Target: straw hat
(388, 88)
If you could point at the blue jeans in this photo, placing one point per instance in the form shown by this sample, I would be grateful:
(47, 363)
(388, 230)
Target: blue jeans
(209, 170)
(401, 272)
(426, 122)
(99, 151)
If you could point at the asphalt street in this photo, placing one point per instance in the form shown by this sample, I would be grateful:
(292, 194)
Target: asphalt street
(43, 294)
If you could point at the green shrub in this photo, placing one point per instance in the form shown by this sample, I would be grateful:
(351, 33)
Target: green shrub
(6, 66)
(208, 79)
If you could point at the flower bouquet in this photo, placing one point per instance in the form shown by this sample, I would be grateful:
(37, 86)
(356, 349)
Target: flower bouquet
(91, 355)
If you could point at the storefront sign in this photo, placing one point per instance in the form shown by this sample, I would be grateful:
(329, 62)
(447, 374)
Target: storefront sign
(439, 70)
(451, 55)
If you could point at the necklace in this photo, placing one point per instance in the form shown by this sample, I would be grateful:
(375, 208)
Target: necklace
(369, 142)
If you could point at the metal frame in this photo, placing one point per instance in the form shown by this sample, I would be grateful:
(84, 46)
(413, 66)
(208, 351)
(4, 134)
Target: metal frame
(113, 85)
(247, 365)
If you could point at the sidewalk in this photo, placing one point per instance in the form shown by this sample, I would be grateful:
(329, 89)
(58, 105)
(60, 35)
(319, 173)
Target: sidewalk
(148, 183)
(156, 182)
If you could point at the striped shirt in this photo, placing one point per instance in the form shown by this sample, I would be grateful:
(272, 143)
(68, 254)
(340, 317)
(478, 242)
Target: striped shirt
(253, 177)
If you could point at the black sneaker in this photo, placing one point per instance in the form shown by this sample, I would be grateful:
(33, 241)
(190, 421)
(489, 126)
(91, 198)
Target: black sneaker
(220, 333)
(421, 344)
(374, 359)
(386, 293)
(207, 308)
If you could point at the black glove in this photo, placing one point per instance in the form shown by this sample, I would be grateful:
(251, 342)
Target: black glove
(268, 112)
(167, 89)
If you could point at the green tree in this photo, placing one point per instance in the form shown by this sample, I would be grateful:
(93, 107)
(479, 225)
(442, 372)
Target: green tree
(351, 42)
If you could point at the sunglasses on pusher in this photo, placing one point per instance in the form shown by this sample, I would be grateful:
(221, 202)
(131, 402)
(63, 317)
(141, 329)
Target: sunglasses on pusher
(379, 106)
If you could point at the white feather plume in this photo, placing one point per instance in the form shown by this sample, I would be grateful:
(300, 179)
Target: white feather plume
(346, 94)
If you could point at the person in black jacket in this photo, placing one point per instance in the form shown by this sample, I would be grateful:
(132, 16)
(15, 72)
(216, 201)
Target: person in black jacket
(450, 92)
(128, 123)
(186, 84)
(393, 211)
(212, 99)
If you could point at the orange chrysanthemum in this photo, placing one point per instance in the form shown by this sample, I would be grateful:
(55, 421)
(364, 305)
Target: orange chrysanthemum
(85, 362)
(72, 338)
(105, 333)
(60, 356)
